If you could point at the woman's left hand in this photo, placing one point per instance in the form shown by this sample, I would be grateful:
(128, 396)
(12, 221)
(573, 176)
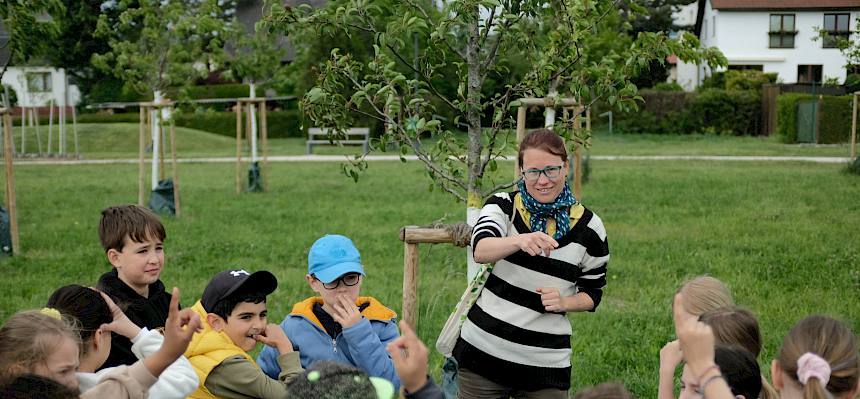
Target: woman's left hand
(552, 300)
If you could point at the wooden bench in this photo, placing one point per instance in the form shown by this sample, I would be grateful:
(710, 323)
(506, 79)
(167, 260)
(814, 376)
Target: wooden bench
(354, 136)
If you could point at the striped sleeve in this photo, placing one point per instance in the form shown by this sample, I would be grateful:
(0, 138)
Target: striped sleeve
(592, 278)
(493, 219)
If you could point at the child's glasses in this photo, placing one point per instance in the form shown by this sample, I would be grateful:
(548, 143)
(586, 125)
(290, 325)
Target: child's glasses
(551, 172)
(348, 280)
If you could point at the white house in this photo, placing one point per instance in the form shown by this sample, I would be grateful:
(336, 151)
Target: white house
(37, 86)
(774, 36)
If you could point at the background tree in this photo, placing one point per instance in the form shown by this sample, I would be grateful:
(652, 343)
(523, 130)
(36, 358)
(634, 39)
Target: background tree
(472, 36)
(162, 46)
(31, 26)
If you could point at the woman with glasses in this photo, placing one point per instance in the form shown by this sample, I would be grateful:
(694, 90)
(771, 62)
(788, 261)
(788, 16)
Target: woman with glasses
(338, 324)
(550, 256)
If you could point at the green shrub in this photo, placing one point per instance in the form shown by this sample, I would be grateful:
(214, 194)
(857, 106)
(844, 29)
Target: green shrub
(747, 79)
(852, 82)
(126, 117)
(112, 90)
(736, 112)
(13, 96)
(279, 123)
(667, 86)
(717, 80)
(786, 115)
(853, 167)
(233, 90)
(834, 123)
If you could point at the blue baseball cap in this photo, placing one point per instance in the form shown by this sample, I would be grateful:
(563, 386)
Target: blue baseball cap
(333, 256)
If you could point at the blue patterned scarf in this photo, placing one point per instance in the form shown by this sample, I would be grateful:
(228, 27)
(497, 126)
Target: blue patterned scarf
(540, 212)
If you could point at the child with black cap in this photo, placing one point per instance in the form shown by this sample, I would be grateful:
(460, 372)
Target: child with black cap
(233, 314)
(338, 324)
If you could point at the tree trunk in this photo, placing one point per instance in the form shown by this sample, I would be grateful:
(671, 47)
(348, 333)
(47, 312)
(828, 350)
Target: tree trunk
(473, 117)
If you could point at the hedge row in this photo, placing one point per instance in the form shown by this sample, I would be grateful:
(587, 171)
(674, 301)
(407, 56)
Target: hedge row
(714, 111)
(834, 118)
(280, 124)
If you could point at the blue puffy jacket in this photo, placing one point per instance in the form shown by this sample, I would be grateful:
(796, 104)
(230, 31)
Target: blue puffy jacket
(361, 345)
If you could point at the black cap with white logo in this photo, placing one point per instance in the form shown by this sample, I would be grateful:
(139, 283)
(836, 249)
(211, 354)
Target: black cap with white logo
(229, 281)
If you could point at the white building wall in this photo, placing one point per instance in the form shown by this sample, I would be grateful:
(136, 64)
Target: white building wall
(743, 38)
(16, 77)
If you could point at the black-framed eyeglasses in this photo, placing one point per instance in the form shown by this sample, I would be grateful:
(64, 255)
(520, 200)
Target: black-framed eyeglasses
(551, 172)
(348, 280)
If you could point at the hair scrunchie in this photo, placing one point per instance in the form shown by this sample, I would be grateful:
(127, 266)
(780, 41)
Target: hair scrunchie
(51, 312)
(811, 365)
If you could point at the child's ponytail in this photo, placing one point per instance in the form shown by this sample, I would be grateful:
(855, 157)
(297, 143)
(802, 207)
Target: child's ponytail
(86, 306)
(820, 353)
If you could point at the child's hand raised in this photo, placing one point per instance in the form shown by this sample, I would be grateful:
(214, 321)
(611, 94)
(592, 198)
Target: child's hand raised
(410, 358)
(345, 312)
(178, 330)
(695, 337)
(120, 324)
(275, 337)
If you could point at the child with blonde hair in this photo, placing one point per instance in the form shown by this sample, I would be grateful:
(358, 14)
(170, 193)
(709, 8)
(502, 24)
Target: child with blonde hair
(46, 344)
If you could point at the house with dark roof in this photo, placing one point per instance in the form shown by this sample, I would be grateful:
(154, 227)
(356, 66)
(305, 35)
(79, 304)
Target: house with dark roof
(778, 36)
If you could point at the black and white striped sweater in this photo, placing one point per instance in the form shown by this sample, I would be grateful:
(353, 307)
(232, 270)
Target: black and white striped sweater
(508, 337)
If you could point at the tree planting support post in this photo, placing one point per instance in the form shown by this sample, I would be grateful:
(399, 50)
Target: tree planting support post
(521, 133)
(411, 237)
(854, 127)
(249, 105)
(8, 154)
(149, 121)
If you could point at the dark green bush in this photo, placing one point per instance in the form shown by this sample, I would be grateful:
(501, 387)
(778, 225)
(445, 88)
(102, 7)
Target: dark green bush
(834, 124)
(748, 79)
(786, 115)
(853, 167)
(279, 123)
(233, 90)
(736, 112)
(667, 86)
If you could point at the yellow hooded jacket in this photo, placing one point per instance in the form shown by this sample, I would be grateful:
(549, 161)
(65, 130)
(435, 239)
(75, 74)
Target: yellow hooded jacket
(207, 350)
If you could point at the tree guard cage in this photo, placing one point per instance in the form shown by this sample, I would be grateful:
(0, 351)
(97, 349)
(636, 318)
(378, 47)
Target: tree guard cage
(257, 176)
(152, 119)
(8, 154)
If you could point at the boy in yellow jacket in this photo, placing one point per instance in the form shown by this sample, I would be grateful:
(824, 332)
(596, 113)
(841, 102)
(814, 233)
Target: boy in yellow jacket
(233, 314)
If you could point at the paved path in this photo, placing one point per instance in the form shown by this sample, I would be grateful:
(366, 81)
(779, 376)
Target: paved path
(341, 158)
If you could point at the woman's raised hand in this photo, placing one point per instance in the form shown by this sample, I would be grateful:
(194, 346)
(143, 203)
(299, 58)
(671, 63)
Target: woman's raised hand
(536, 243)
(120, 324)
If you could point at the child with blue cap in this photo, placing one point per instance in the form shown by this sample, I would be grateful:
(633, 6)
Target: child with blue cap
(338, 324)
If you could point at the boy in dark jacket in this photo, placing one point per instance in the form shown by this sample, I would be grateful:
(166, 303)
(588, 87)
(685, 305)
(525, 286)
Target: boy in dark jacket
(133, 239)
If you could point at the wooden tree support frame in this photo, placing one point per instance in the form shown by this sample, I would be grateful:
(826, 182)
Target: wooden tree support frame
(146, 111)
(244, 105)
(854, 127)
(567, 104)
(8, 155)
(411, 237)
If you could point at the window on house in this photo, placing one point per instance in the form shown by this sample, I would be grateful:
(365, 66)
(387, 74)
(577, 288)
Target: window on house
(758, 67)
(809, 74)
(782, 31)
(39, 82)
(836, 26)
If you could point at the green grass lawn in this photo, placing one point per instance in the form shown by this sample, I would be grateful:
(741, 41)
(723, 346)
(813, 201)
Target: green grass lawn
(120, 140)
(784, 236)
